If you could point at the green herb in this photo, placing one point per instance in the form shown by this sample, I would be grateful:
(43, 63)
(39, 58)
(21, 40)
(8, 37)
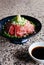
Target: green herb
(19, 20)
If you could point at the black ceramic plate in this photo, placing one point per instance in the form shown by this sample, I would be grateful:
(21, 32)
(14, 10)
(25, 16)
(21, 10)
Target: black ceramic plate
(23, 39)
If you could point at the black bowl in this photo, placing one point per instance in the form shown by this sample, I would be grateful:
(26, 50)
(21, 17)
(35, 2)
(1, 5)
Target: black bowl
(23, 39)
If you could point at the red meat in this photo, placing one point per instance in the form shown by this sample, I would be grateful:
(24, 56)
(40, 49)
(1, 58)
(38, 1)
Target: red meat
(20, 31)
(11, 30)
(29, 28)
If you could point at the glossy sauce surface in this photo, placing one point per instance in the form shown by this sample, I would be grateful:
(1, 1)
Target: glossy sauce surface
(38, 53)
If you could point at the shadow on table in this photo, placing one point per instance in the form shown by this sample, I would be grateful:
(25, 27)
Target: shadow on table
(23, 55)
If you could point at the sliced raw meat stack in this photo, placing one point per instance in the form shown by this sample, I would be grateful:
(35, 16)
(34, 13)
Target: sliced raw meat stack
(20, 31)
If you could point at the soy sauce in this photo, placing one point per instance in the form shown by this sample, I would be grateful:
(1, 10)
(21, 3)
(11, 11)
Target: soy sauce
(38, 53)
